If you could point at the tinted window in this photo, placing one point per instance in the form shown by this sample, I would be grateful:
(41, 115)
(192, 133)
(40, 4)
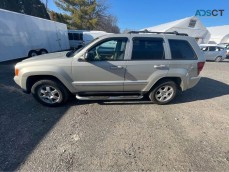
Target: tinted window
(219, 48)
(212, 48)
(81, 36)
(78, 36)
(181, 50)
(204, 48)
(147, 49)
(109, 50)
(70, 36)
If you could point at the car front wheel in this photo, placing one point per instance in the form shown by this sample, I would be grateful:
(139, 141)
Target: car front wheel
(49, 93)
(163, 93)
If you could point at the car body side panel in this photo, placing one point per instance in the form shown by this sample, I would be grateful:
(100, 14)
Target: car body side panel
(141, 73)
(98, 75)
(186, 70)
(59, 67)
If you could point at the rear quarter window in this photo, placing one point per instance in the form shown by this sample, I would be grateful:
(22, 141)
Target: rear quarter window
(219, 49)
(181, 50)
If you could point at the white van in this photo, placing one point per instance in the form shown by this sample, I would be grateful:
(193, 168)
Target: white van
(79, 38)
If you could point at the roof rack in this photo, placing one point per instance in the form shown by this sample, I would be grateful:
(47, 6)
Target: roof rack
(146, 31)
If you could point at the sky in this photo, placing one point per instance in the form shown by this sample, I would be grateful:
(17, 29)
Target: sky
(139, 14)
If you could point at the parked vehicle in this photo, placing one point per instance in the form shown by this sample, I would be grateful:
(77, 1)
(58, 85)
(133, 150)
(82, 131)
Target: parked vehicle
(227, 49)
(213, 52)
(25, 36)
(226, 46)
(79, 38)
(115, 66)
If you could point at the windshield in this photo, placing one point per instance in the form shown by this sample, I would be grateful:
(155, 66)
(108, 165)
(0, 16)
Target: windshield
(73, 52)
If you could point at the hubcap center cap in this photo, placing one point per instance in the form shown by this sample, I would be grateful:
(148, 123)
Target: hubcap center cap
(163, 93)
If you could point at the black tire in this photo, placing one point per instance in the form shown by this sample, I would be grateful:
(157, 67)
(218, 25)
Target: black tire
(33, 53)
(218, 59)
(43, 51)
(154, 95)
(61, 93)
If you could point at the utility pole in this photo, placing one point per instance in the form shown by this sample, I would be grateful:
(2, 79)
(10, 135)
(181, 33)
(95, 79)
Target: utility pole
(46, 5)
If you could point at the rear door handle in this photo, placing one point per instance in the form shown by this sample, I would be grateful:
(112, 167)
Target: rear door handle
(116, 67)
(162, 67)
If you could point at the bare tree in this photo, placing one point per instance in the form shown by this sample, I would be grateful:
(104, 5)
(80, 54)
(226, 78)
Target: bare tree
(88, 14)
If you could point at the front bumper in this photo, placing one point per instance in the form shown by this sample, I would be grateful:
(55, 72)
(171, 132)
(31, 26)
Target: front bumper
(16, 79)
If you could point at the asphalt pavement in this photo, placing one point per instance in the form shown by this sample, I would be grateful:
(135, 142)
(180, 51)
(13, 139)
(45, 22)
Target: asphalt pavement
(190, 134)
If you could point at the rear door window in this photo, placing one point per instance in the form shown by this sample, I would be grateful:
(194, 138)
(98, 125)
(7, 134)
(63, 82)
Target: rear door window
(147, 49)
(212, 48)
(181, 50)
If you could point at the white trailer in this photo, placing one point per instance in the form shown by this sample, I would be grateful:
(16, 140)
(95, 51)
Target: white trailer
(25, 36)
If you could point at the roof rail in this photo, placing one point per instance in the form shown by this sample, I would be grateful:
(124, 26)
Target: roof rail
(146, 31)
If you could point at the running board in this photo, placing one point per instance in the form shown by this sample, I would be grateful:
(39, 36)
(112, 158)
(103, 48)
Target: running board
(108, 97)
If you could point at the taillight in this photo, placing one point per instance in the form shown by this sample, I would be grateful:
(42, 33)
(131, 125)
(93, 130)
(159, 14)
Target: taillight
(200, 66)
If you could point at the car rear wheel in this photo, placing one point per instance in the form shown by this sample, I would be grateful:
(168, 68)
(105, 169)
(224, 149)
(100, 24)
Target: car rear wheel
(163, 93)
(50, 93)
(218, 59)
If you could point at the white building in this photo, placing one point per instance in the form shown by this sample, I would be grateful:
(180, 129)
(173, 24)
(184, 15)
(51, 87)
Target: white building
(190, 25)
(219, 34)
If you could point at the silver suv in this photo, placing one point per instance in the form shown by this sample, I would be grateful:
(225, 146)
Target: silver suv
(115, 66)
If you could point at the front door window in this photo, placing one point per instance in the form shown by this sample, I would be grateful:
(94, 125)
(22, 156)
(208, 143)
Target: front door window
(109, 50)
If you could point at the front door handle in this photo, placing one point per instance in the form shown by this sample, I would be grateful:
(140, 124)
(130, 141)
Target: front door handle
(162, 67)
(116, 67)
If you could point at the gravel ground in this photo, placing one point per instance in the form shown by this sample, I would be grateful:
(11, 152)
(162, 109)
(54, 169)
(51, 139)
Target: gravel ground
(191, 134)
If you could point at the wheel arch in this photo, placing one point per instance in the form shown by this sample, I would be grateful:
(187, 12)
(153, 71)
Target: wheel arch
(177, 80)
(219, 56)
(31, 80)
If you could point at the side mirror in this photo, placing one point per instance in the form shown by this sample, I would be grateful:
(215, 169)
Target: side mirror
(86, 56)
(83, 58)
(89, 56)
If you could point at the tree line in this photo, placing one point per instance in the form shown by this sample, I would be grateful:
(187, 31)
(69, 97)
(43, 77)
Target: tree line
(77, 14)
(31, 7)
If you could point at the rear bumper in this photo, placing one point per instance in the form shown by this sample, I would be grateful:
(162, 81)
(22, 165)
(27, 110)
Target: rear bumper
(189, 83)
(193, 81)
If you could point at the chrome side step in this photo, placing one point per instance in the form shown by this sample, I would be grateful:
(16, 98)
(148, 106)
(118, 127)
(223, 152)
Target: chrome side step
(108, 97)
